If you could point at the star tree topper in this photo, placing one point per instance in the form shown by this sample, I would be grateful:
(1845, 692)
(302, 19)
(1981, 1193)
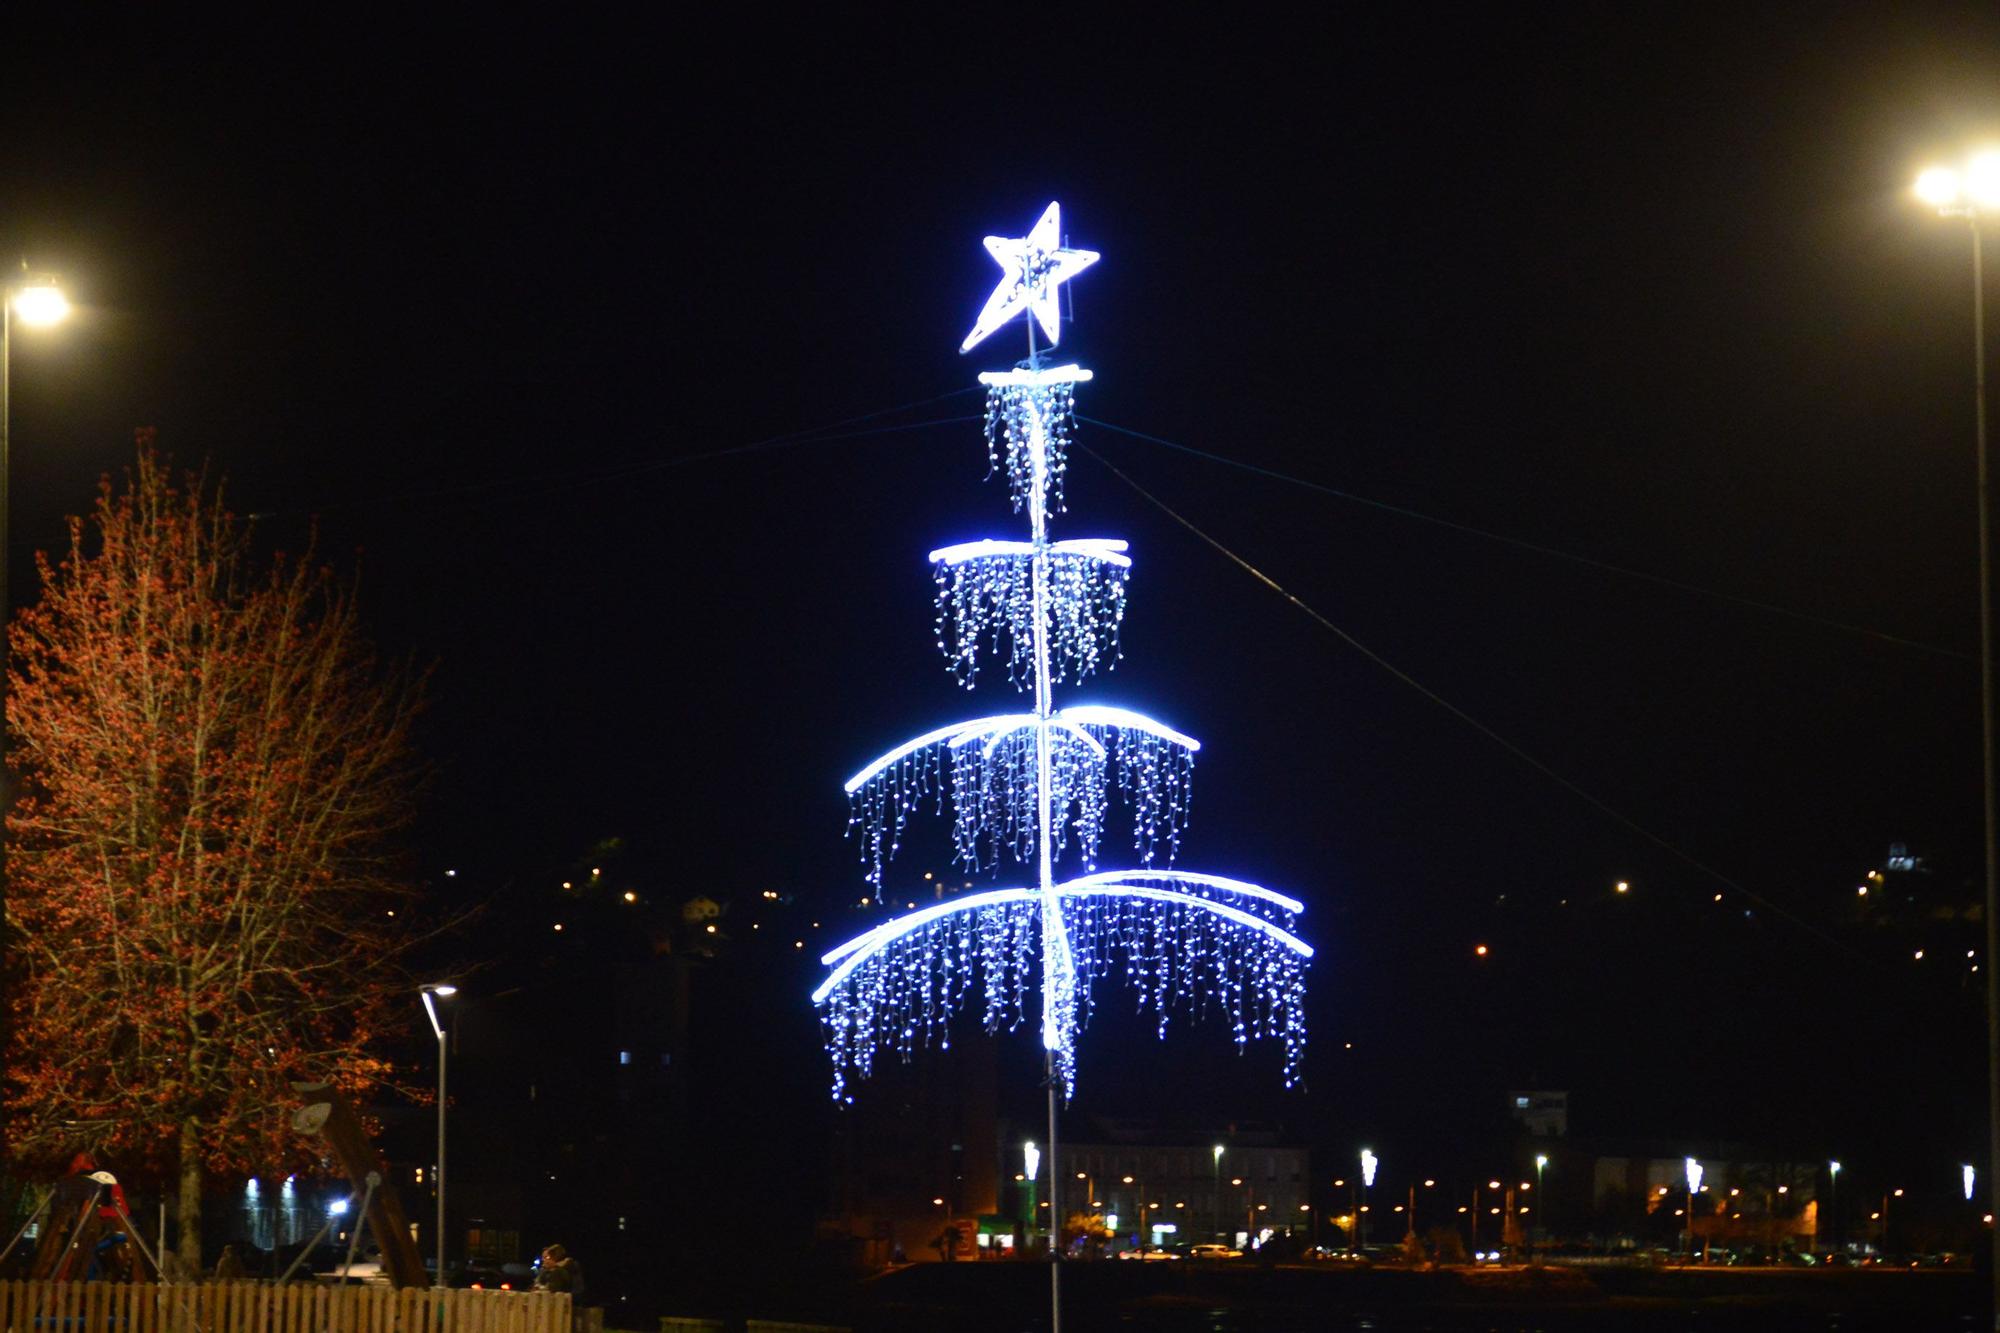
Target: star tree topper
(1034, 266)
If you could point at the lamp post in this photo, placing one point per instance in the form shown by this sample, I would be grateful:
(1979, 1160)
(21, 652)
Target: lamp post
(1368, 1164)
(1694, 1188)
(1541, 1163)
(1215, 1198)
(37, 302)
(432, 993)
(1970, 194)
(1031, 1165)
(1140, 1202)
(1833, 1202)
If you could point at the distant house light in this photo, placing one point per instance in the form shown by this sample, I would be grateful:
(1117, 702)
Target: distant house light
(624, 1057)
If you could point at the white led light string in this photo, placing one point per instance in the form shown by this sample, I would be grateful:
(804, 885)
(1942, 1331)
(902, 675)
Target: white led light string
(1037, 786)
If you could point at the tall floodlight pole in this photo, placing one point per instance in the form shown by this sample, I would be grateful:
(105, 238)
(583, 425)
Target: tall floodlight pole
(432, 994)
(36, 302)
(1368, 1161)
(1970, 194)
(1694, 1188)
(1034, 786)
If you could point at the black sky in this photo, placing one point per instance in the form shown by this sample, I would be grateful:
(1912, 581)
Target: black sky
(1644, 285)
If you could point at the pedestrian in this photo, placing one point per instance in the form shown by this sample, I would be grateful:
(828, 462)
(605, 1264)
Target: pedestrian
(557, 1271)
(229, 1268)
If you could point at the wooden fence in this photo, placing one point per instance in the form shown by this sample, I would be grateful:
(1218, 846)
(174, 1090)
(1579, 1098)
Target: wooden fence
(266, 1307)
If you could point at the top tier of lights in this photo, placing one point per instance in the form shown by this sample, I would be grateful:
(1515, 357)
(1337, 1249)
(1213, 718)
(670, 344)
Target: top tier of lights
(1966, 192)
(1032, 268)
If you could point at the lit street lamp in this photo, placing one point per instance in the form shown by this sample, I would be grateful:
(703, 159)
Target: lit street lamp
(36, 302)
(1970, 194)
(1833, 1201)
(1368, 1164)
(1215, 1205)
(432, 994)
(1031, 1163)
(1140, 1201)
(1541, 1164)
(1694, 1188)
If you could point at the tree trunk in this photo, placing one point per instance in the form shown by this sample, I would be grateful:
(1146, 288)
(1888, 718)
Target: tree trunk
(191, 1178)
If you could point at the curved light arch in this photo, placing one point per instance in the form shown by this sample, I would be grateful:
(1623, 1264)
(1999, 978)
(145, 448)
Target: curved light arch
(1243, 887)
(975, 727)
(1103, 715)
(1083, 715)
(870, 943)
(1236, 914)
(1111, 550)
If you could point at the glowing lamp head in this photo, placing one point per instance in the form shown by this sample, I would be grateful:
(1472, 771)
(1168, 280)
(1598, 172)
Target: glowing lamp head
(1540, 1161)
(1833, 1168)
(41, 304)
(443, 990)
(1693, 1175)
(1031, 1159)
(1938, 187)
(1218, 1152)
(1368, 1168)
(1969, 1176)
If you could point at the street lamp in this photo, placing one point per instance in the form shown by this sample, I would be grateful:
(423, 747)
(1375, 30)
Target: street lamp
(1031, 1162)
(432, 993)
(1215, 1208)
(1368, 1162)
(1541, 1164)
(1833, 1201)
(1140, 1201)
(1694, 1188)
(1971, 194)
(36, 302)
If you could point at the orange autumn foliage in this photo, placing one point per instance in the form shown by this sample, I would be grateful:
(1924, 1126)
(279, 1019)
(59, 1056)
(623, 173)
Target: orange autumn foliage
(199, 891)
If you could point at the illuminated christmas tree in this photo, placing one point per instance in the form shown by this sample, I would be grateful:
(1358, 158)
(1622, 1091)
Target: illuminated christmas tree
(1036, 786)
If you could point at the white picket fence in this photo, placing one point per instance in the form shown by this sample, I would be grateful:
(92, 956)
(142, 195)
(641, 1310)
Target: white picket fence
(264, 1307)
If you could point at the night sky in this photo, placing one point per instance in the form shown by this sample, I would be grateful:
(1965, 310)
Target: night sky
(1645, 289)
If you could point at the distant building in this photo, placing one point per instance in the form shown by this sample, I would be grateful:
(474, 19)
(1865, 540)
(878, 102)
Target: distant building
(1744, 1198)
(1181, 1190)
(916, 1161)
(1541, 1114)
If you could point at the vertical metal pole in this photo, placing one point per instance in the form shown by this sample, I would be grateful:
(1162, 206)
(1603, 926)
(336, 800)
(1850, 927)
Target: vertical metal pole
(6, 613)
(440, 1161)
(1055, 1209)
(1986, 745)
(1215, 1200)
(1038, 444)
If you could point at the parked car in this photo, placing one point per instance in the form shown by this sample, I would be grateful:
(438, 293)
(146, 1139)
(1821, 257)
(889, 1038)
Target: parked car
(1211, 1251)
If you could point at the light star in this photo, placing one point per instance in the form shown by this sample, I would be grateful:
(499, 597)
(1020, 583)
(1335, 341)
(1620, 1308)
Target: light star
(1033, 267)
